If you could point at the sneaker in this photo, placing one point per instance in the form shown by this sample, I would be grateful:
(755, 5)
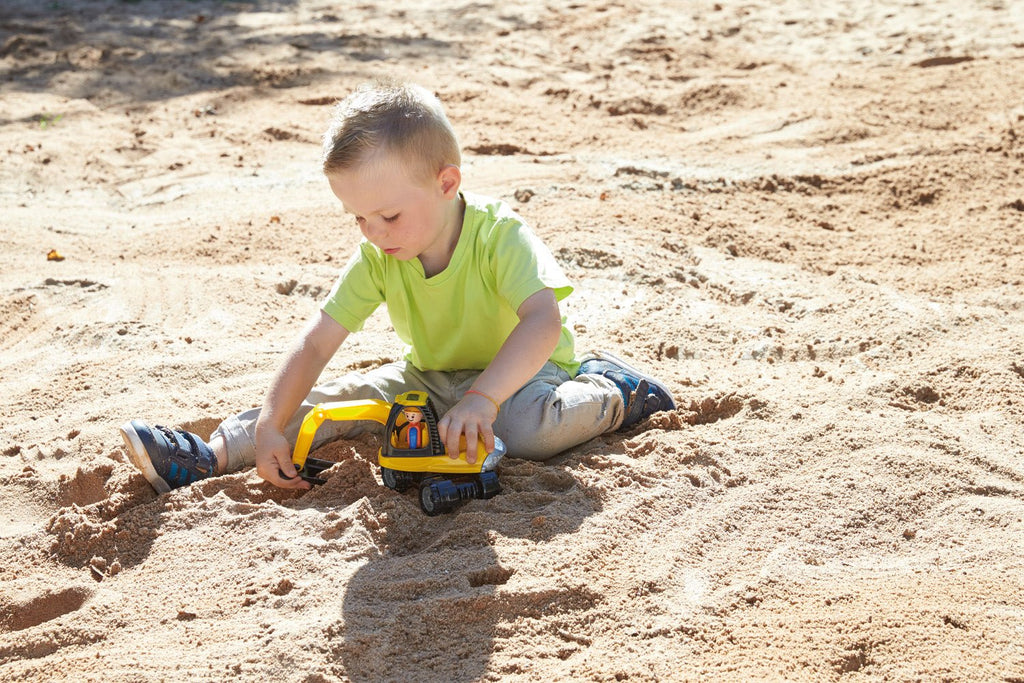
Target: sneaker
(642, 395)
(168, 458)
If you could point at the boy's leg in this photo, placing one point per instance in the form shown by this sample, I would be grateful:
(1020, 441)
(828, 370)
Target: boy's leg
(552, 413)
(546, 416)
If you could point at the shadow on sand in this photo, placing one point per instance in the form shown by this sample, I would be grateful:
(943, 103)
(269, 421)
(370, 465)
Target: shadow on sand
(113, 52)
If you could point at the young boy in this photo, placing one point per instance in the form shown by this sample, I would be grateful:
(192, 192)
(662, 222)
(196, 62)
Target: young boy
(470, 290)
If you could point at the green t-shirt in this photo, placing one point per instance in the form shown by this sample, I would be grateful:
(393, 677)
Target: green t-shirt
(459, 318)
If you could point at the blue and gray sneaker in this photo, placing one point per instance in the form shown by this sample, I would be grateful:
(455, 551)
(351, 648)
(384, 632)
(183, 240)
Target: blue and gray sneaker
(168, 458)
(642, 395)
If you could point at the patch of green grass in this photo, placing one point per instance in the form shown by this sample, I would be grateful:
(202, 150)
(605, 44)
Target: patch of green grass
(47, 120)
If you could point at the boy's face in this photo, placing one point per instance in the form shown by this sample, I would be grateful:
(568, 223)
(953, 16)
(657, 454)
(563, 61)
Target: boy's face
(405, 215)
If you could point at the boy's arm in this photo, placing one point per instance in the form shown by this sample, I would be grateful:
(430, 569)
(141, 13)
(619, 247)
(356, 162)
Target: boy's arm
(292, 382)
(523, 354)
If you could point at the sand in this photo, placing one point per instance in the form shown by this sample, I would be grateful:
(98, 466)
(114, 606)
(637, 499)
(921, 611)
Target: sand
(805, 217)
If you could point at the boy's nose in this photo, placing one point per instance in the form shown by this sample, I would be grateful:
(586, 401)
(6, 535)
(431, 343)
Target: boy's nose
(375, 231)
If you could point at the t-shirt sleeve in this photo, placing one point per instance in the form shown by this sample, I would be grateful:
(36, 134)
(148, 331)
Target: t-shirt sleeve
(523, 265)
(358, 291)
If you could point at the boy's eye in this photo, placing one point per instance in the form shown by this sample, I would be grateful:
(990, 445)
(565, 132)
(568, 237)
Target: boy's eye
(390, 219)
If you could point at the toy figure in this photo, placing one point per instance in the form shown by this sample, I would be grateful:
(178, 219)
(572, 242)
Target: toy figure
(414, 436)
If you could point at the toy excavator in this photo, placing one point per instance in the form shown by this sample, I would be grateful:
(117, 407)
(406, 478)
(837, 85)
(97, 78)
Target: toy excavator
(413, 453)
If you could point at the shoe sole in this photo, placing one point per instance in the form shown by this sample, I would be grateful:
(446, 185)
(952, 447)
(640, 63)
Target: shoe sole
(140, 457)
(612, 358)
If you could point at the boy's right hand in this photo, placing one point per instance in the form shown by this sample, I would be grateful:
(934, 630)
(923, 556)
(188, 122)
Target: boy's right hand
(274, 461)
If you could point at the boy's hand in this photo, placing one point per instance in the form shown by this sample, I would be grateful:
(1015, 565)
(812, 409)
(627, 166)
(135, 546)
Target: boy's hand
(274, 461)
(473, 416)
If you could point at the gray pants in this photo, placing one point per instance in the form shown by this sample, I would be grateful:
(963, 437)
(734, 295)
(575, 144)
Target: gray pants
(552, 412)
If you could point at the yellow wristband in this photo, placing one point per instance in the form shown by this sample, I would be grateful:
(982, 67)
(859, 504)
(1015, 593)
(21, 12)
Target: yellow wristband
(497, 408)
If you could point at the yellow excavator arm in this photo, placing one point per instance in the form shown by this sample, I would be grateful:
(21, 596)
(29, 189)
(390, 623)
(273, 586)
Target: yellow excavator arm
(370, 409)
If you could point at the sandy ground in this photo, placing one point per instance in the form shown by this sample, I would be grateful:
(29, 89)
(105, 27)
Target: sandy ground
(805, 217)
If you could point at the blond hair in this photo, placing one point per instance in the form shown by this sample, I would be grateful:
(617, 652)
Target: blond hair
(398, 119)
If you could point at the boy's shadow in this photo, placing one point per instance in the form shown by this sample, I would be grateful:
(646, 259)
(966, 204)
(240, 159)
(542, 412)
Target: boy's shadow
(431, 603)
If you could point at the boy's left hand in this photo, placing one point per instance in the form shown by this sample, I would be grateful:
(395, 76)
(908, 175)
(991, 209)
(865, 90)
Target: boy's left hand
(473, 416)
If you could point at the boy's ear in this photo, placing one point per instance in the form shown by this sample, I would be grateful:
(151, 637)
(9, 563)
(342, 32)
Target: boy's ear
(450, 179)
